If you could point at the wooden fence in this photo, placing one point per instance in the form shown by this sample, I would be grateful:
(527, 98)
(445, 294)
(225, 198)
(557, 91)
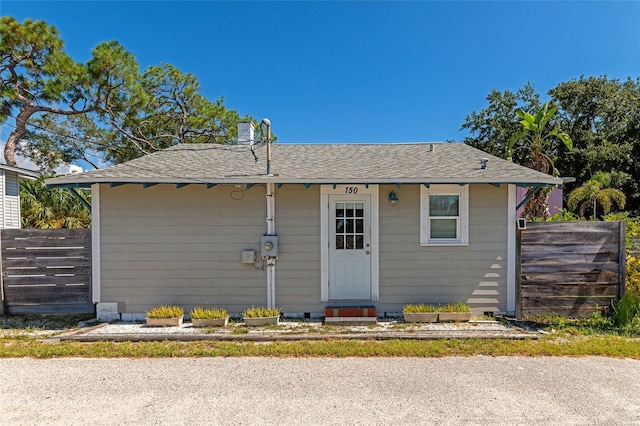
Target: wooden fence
(46, 271)
(570, 269)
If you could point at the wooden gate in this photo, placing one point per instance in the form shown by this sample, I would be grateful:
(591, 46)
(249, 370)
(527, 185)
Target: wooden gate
(570, 269)
(46, 271)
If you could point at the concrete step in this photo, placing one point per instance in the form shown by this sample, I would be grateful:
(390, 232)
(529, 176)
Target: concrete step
(350, 311)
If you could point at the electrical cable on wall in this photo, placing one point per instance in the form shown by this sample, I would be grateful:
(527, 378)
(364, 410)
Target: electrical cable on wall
(237, 197)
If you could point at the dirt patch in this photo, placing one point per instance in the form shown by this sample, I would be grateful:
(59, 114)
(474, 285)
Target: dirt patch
(41, 325)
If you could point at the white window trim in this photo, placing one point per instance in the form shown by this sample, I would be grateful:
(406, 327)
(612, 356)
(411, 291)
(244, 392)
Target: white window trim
(463, 223)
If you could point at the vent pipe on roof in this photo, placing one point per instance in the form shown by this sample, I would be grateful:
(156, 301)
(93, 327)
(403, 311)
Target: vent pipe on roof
(267, 123)
(483, 163)
(246, 131)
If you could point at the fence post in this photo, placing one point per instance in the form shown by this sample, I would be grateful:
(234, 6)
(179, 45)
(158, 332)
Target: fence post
(622, 263)
(1, 279)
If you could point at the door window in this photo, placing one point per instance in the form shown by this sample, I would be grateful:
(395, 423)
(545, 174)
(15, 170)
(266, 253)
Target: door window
(349, 226)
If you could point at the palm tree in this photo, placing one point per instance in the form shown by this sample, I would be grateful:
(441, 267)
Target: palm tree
(596, 191)
(54, 208)
(539, 144)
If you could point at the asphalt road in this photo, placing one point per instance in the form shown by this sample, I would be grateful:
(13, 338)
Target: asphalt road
(321, 391)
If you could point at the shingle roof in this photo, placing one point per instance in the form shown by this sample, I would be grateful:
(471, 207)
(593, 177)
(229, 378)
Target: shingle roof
(23, 173)
(315, 163)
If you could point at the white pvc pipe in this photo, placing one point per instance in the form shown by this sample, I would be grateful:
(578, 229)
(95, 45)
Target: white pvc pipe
(271, 261)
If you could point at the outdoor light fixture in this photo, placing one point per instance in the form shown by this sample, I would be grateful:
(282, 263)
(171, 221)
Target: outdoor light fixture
(393, 199)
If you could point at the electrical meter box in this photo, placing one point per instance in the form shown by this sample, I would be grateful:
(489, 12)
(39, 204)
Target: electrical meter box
(269, 246)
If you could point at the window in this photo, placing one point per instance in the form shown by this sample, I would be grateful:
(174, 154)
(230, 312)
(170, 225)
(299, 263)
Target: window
(349, 226)
(444, 215)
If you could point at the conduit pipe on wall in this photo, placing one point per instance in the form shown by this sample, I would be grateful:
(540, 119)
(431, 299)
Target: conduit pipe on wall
(271, 223)
(271, 261)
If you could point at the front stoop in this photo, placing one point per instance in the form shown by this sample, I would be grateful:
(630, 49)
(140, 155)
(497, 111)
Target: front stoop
(350, 311)
(350, 315)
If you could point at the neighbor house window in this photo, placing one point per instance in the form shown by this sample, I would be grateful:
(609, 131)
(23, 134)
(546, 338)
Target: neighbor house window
(444, 215)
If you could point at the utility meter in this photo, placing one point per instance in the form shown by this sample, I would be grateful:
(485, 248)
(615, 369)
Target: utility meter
(269, 247)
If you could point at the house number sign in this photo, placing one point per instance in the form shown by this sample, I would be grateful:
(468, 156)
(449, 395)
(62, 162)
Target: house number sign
(351, 190)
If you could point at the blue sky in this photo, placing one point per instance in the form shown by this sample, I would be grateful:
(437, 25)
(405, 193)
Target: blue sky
(358, 71)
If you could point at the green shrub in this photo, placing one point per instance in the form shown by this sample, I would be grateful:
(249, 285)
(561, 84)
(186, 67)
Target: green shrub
(456, 307)
(260, 312)
(627, 311)
(564, 216)
(633, 274)
(208, 313)
(165, 311)
(419, 308)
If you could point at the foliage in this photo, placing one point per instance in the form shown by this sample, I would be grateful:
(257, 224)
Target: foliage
(562, 216)
(52, 208)
(494, 125)
(101, 111)
(260, 312)
(455, 307)
(423, 307)
(536, 141)
(419, 308)
(596, 191)
(39, 77)
(165, 311)
(601, 116)
(633, 274)
(626, 312)
(540, 147)
(208, 313)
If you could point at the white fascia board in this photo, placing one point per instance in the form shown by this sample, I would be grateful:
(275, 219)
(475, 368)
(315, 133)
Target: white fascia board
(276, 180)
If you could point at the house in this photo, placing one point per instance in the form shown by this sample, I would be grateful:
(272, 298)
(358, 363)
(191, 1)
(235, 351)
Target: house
(10, 194)
(314, 226)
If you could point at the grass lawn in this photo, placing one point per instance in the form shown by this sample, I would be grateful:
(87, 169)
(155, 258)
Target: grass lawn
(561, 345)
(22, 337)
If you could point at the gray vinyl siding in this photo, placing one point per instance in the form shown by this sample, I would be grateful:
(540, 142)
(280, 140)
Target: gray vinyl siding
(476, 274)
(181, 246)
(298, 266)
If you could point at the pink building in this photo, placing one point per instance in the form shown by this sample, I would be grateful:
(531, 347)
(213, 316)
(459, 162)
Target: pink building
(555, 197)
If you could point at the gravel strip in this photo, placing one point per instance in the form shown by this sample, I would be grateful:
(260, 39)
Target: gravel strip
(298, 326)
(295, 330)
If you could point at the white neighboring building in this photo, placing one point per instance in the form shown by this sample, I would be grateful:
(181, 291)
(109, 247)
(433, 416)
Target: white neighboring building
(10, 194)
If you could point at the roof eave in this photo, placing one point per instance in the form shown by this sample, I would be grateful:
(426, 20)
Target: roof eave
(22, 173)
(84, 182)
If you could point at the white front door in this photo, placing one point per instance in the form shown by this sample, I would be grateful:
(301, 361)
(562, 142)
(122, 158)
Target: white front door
(350, 247)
